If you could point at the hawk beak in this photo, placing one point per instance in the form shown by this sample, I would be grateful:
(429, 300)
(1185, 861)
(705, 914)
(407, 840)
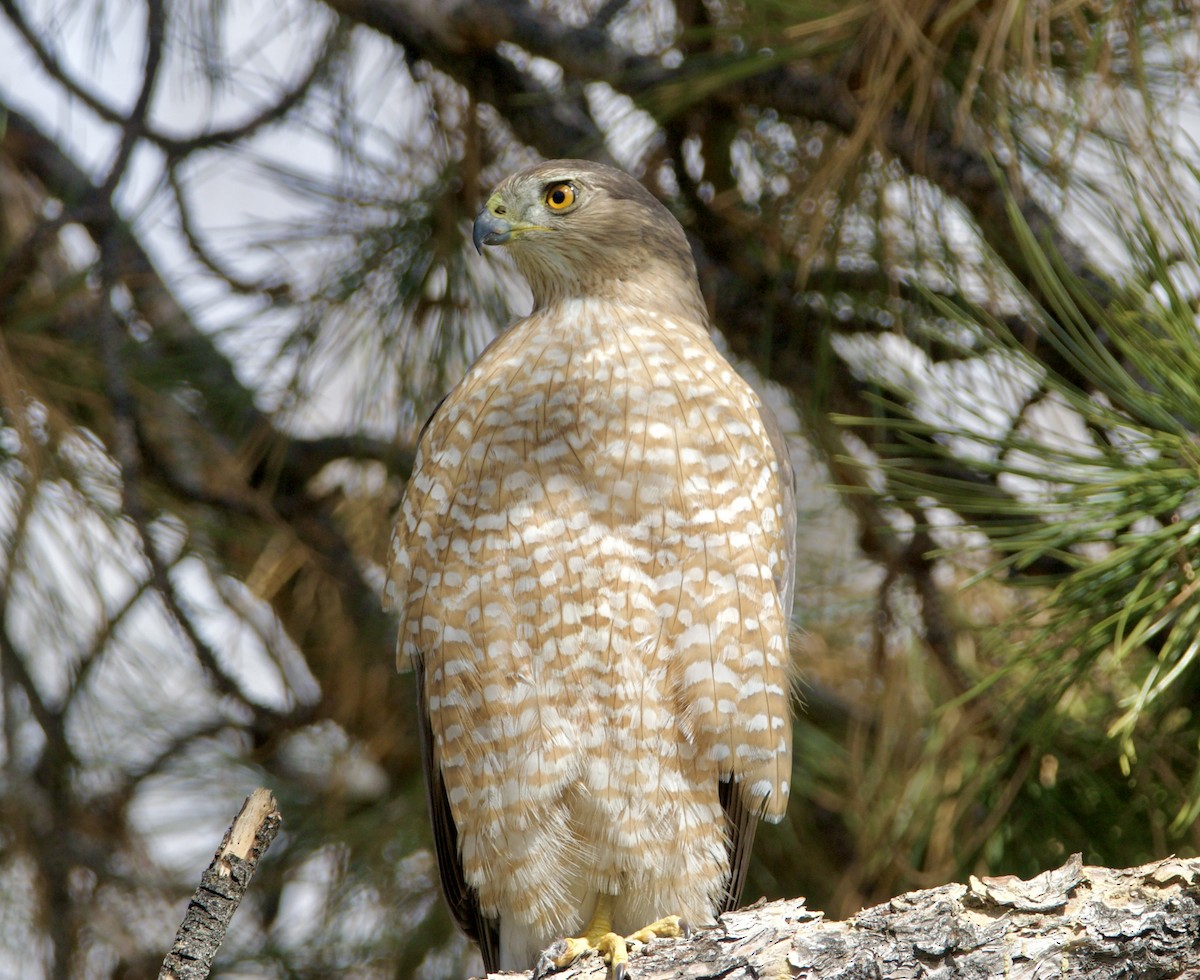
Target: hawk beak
(490, 230)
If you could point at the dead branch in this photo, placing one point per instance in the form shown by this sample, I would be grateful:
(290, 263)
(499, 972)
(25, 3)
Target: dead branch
(1072, 922)
(222, 888)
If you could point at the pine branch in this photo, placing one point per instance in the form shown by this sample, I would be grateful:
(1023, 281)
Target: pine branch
(441, 36)
(223, 450)
(460, 40)
(175, 147)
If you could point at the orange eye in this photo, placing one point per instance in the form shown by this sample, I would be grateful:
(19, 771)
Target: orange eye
(559, 197)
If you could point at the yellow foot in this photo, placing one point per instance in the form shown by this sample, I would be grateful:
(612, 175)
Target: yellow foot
(668, 927)
(612, 948)
(562, 953)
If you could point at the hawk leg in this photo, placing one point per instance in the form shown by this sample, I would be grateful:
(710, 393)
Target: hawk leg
(612, 947)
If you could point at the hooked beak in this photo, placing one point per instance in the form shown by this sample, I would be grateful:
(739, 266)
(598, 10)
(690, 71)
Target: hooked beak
(490, 230)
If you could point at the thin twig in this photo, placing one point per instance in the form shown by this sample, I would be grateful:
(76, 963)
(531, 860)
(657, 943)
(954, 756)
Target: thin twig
(175, 147)
(12, 666)
(178, 147)
(247, 287)
(128, 457)
(102, 639)
(54, 68)
(135, 123)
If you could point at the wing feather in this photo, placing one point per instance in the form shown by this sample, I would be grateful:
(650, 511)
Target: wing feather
(741, 822)
(741, 819)
(461, 897)
(787, 489)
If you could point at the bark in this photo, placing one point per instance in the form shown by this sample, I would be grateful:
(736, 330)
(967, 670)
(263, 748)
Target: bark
(1074, 921)
(222, 888)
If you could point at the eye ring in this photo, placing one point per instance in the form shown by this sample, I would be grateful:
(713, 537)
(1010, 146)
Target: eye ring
(560, 196)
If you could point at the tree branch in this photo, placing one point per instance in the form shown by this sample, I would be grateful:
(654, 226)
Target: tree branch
(221, 447)
(222, 888)
(1072, 922)
(125, 442)
(56, 70)
(175, 147)
(555, 121)
(178, 147)
(134, 124)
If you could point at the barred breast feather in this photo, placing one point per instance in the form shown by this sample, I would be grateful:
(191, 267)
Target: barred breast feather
(592, 569)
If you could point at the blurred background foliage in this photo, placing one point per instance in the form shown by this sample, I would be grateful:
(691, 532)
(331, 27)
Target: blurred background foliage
(955, 244)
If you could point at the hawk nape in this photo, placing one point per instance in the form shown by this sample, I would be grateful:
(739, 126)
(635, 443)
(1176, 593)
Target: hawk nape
(593, 571)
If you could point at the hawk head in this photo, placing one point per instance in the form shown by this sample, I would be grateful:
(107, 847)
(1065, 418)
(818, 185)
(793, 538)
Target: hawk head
(578, 229)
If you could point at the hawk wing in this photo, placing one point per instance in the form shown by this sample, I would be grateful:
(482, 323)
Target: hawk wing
(741, 821)
(461, 897)
(463, 900)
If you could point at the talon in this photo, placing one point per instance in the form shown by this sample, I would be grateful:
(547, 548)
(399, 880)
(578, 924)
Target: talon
(545, 963)
(613, 948)
(616, 954)
(560, 954)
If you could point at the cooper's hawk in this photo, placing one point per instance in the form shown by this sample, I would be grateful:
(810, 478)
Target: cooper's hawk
(593, 571)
